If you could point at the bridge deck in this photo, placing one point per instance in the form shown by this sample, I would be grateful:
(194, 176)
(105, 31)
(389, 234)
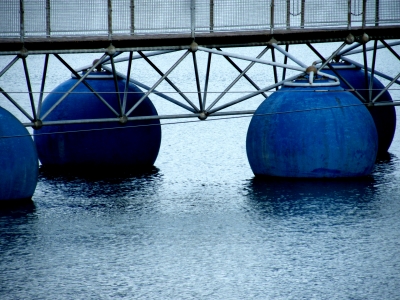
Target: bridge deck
(182, 41)
(47, 26)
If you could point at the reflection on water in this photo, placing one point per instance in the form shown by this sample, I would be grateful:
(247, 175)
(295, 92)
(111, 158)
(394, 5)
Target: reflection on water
(19, 207)
(288, 197)
(99, 183)
(103, 191)
(144, 236)
(386, 165)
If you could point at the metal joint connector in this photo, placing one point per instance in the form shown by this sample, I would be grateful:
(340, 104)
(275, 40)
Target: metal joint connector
(37, 124)
(349, 39)
(23, 53)
(193, 47)
(203, 115)
(110, 50)
(123, 119)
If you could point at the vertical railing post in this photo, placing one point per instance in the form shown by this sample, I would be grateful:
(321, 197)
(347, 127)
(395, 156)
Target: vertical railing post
(376, 12)
(192, 17)
(211, 15)
(287, 14)
(21, 20)
(132, 9)
(48, 26)
(371, 79)
(349, 14)
(303, 7)
(272, 16)
(364, 13)
(109, 10)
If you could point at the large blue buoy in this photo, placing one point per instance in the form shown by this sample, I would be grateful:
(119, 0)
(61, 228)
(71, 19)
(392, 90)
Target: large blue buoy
(384, 116)
(18, 161)
(132, 146)
(300, 132)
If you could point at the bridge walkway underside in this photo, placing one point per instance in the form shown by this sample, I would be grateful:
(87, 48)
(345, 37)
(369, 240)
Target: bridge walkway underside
(82, 44)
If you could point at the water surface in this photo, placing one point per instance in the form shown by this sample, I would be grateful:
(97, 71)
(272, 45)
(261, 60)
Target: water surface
(200, 226)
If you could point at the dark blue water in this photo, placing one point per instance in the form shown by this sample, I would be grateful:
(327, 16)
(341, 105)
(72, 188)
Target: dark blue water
(200, 226)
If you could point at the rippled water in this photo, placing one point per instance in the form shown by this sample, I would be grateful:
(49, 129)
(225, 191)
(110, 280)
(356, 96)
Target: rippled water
(200, 226)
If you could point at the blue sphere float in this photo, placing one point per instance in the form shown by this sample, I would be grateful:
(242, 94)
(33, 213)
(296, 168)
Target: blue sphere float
(384, 116)
(298, 132)
(19, 162)
(133, 146)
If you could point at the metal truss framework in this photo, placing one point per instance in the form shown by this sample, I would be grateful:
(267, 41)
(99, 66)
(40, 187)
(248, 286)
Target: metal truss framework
(200, 107)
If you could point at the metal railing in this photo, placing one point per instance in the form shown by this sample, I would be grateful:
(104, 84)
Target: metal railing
(48, 18)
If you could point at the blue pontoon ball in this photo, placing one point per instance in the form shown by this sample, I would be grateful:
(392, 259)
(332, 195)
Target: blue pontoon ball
(133, 145)
(18, 161)
(298, 132)
(384, 116)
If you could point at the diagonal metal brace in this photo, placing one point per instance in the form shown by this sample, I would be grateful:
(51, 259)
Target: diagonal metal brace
(80, 79)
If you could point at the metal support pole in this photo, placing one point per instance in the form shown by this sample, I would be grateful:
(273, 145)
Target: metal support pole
(348, 14)
(48, 19)
(109, 12)
(376, 12)
(207, 78)
(105, 61)
(158, 82)
(137, 118)
(168, 80)
(287, 54)
(193, 17)
(251, 95)
(243, 57)
(196, 73)
(21, 20)
(365, 65)
(285, 62)
(46, 61)
(211, 15)
(159, 94)
(243, 72)
(364, 13)
(335, 72)
(272, 16)
(132, 10)
(137, 56)
(80, 79)
(128, 75)
(116, 86)
(303, 7)
(28, 83)
(371, 80)
(331, 57)
(386, 88)
(346, 52)
(122, 59)
(274, 67)
(390, 49)
(386, 103)
(287, 14)
(16, 105)
(376, 72)
(9, 65)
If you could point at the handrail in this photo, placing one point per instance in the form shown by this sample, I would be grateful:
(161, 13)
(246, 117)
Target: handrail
(47, 18)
